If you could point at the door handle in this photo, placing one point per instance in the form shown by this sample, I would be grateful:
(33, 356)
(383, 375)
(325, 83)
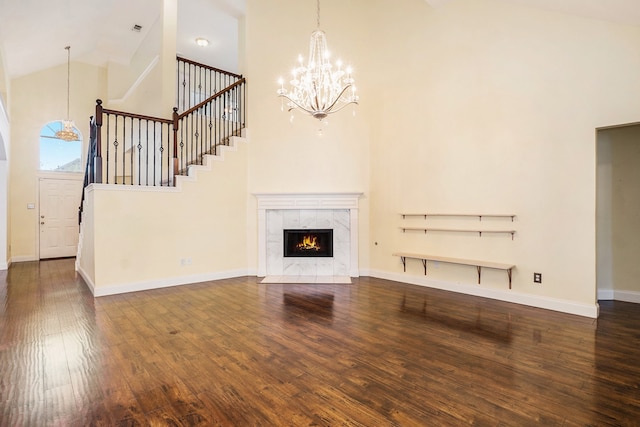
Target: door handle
(42, 223)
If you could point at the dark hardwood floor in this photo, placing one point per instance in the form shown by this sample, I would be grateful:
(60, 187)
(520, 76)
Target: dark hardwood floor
(238, 353)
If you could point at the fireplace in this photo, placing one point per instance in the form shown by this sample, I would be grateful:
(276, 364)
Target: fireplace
(308, 243)
(309, 211)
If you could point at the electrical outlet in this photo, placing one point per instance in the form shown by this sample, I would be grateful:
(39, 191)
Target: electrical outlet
(537, 277)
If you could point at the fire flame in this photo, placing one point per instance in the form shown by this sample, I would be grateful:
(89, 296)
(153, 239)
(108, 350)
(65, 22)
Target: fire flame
(309, 243)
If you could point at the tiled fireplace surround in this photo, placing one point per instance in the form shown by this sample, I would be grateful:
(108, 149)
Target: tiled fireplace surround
(279, 211)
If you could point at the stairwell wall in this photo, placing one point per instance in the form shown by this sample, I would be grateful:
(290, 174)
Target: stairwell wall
(147, 238)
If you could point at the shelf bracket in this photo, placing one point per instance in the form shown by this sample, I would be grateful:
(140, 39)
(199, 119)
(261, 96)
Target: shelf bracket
(404, 263)
(509, 274)
(479, 271)
(424, 264)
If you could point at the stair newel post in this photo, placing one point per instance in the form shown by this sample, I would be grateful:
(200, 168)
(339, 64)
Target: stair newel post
(97, 173)
(175, 144)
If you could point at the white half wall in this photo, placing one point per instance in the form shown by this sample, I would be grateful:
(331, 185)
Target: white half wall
(137, 238)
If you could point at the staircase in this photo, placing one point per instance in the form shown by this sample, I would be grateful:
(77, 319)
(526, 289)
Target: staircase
(133, 149)
(157, 203)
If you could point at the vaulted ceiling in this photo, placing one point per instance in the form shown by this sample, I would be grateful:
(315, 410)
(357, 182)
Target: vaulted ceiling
(33, 33)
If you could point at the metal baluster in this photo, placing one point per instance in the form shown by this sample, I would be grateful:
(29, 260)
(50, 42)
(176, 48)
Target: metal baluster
(139, 152)
(108, 144)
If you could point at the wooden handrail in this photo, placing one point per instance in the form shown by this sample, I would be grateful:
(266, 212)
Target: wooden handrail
(136, 116)
(211, 98)
(209, 67)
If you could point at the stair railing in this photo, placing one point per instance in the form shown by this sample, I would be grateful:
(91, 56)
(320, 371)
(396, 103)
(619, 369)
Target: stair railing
(90, 166)
(133, 149)
(205, 127)
(197, 82)
(137, 149)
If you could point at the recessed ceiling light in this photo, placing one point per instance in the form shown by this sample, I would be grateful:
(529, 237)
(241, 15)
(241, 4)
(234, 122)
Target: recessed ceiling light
(202, 42)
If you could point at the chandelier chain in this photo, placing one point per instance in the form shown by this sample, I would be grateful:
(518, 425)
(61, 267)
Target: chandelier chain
(68, 48)
(318, 14)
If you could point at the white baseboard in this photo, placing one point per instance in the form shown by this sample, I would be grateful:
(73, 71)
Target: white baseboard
(86, 278)
(23, 258)
(123, 288)
(5, 265)
(627, 296)
(587, 310)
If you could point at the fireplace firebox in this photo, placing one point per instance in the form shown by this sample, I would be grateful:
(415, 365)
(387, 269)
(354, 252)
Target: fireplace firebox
(308, 243)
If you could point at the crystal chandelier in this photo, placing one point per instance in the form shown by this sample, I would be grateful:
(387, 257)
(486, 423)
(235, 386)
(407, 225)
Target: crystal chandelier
(317, 88)
(67, 133)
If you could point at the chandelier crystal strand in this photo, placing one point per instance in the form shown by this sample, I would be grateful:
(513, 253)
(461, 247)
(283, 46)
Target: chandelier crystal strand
(67, 133)
(317, 88)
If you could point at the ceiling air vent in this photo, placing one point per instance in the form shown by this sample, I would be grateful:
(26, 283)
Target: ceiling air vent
(136, 28)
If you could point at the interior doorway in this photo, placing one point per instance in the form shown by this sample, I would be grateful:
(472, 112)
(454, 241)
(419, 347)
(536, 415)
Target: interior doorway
(58, 216)
(618, 212)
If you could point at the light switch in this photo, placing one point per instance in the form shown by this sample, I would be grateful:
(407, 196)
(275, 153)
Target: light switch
(31, 205)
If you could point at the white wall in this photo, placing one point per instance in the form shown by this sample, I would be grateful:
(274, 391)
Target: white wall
(4, 187)
(626, 210)
(289, 157)
(500, 104)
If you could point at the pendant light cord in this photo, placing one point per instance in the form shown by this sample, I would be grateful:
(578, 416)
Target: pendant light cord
(68, 48)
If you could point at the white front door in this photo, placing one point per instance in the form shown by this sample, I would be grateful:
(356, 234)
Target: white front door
(59, 202)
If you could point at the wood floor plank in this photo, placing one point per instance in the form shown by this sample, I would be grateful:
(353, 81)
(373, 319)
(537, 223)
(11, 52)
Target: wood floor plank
(239, 353)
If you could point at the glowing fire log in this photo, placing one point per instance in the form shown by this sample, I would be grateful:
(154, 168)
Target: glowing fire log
(309, 243)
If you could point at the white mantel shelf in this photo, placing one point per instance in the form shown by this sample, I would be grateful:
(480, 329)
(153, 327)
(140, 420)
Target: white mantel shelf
(269, 201)
(308, 200)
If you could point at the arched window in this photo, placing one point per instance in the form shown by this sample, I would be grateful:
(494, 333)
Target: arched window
(57, 154)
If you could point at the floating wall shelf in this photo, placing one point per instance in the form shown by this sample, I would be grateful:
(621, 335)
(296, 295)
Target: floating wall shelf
(479, 216)
(458, 230)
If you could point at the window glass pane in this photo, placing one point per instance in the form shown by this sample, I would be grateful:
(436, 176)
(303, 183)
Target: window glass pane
(57, 154)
